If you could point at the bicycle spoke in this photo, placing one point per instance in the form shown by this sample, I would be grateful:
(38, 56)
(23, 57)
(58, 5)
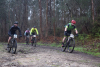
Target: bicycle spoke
(71, 45)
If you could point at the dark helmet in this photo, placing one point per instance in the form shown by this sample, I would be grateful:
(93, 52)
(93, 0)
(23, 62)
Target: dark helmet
(15, 22)
(34, 26)
(27, 28)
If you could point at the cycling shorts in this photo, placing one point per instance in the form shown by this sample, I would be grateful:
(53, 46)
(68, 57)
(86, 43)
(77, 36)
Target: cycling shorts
(32, 34)
(67, 33)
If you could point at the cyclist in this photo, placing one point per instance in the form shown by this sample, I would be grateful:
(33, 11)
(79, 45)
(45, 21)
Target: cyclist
(27, 33)
(68, 28)
(12, 31)
(33, 31)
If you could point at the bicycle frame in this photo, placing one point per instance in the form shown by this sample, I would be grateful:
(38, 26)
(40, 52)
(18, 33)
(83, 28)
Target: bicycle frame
(28, 36)
(13, 44)
(71, 36)
(27, 40)
(34, 40)
(67, 44)
(13, 38)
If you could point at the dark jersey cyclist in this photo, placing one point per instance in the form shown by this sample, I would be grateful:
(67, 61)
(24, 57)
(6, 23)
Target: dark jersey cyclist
(68, 28)
(33, 31)
(13, 29)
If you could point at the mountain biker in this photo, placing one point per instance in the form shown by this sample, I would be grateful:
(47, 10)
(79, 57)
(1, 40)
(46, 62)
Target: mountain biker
(68, 28)
(27, 33)
(12, 31)
(33, 31)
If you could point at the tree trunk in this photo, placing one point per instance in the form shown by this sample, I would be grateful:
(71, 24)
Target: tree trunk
(46, 19)
(50, 17)
(92, 10)
(25, 16)
(54, 22)
(40, 19)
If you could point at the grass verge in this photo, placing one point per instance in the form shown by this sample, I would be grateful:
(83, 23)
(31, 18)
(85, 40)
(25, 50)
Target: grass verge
(84, 50)
(77, 48)
(1, 46)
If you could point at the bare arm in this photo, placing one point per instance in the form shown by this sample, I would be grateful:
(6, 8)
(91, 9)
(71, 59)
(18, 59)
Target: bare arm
(76, 31)
(65, 29)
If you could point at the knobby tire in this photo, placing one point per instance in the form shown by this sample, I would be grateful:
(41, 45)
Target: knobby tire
(33, 42)
(71, 45)
(14, 48)
(27, 41)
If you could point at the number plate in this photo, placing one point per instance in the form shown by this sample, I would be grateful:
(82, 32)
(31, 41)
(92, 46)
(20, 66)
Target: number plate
(71, 35)
(34, 35)
(15, 36)
(28, 36)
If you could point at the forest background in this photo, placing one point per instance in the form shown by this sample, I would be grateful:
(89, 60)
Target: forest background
(50, 17)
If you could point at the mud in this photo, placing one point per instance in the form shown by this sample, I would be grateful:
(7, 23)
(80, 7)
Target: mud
(45, 56)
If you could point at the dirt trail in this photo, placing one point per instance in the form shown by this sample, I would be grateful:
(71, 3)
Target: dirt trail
(44, 56)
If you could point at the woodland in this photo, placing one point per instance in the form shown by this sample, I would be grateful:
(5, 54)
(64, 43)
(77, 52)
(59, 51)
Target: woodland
(50, 17)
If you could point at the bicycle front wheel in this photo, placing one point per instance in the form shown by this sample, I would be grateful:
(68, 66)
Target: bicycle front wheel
(9, 46)
(27, 41)
(14, 48)
(71, 45)
(34, 42)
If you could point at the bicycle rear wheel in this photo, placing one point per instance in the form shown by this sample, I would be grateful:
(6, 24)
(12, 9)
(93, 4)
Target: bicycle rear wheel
(71, 45)
(14, 47)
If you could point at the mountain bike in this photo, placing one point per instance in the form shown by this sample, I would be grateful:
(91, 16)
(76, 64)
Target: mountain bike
(27, 40)
(12, 44)
(69, 43)
(33, 41)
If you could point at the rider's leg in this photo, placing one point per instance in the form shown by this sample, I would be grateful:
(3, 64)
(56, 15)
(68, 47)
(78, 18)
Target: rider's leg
(25, 37)
(63, 41)
(31, 38)
(9, 39)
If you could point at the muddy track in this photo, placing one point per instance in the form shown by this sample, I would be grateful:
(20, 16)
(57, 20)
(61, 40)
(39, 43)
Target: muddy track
(45, 56)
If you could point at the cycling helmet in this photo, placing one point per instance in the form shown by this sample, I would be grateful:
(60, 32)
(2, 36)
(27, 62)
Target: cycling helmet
(73, 21)
(34, 26)
(15, 22)
(27, 28)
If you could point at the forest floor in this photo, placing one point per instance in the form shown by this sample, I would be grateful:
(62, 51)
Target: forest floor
(45, 56)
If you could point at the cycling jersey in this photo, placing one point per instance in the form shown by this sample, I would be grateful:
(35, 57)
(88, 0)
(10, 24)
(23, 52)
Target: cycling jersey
(27, 32)
(13, 29)
(70, 27)
(33, 30)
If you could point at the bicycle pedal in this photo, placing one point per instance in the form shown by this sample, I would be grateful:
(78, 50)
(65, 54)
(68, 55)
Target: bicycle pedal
(63, 46)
